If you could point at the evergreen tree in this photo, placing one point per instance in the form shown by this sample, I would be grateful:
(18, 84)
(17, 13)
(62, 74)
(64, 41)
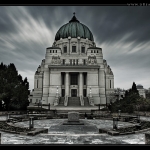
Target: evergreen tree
(129, 102)
(13, 90)
(134, 89)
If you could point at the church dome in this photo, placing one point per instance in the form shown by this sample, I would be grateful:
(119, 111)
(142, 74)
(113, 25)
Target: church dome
(74, 29)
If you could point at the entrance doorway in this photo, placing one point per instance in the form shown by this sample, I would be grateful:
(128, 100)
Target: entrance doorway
(73, 92)
(84, 92)
(63, 92)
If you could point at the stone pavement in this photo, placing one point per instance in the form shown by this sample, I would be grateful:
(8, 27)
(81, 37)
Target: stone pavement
(61, 134)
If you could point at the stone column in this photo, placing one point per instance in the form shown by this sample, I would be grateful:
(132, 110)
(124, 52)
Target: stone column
(67, 84)
(80, 84)
(102, 85)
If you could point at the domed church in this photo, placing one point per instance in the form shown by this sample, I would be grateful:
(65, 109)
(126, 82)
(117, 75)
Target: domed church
(73, 72)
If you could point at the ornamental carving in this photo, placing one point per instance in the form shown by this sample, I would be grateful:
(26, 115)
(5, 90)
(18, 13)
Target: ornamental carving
(56, 60)
(92, 60)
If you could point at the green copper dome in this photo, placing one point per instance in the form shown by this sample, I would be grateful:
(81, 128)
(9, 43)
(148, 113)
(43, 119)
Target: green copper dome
(74, 29)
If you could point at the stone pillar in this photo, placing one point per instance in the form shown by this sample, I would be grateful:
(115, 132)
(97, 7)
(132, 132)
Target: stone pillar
(102, 85)
(67, 84)
(46, 80)
(80, 84)
(35, 83)
(31, 124)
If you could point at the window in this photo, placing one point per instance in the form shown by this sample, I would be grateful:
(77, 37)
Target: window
(65, 49)
(73, 61)
(82, 49)
(76, 61)
(37, 83)
(97, 51)
(70, 61)
(56, 51)
(84, 61)
(91, 51)
(110, 84)
(74, 79)
(53, 51)
(30, 100)
(74, 49)
(63, 61)
(50, 51)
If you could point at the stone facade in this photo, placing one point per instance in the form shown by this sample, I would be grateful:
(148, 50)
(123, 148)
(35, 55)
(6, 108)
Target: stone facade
(73, 67)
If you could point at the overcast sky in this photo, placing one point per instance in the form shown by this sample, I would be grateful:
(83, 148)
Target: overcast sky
(123, 33)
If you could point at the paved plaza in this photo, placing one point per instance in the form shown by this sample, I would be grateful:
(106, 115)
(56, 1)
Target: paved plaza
(73, 134)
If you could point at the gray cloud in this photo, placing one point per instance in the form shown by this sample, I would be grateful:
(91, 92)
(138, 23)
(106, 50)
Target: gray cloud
(121, 31)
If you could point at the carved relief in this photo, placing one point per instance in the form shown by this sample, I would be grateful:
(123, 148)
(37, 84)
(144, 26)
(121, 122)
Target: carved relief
(92, 60)
(56, 60)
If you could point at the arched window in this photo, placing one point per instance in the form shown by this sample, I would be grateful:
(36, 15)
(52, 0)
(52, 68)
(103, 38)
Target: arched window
(97, 51)
(50, 51)
(53, 51)
(91, 51)
(56, 51)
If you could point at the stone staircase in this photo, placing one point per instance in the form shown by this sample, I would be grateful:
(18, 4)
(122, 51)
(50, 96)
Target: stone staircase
(74, 101)
(86, 101)
(61, 101)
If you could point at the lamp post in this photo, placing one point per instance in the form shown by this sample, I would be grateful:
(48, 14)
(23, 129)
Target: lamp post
(115, 123)
(40, 102)
(119, 113)
(138, 116)
(49, 106)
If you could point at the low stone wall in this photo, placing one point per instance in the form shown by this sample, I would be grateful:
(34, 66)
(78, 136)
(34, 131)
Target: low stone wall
(10, 128)
(12, 112)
